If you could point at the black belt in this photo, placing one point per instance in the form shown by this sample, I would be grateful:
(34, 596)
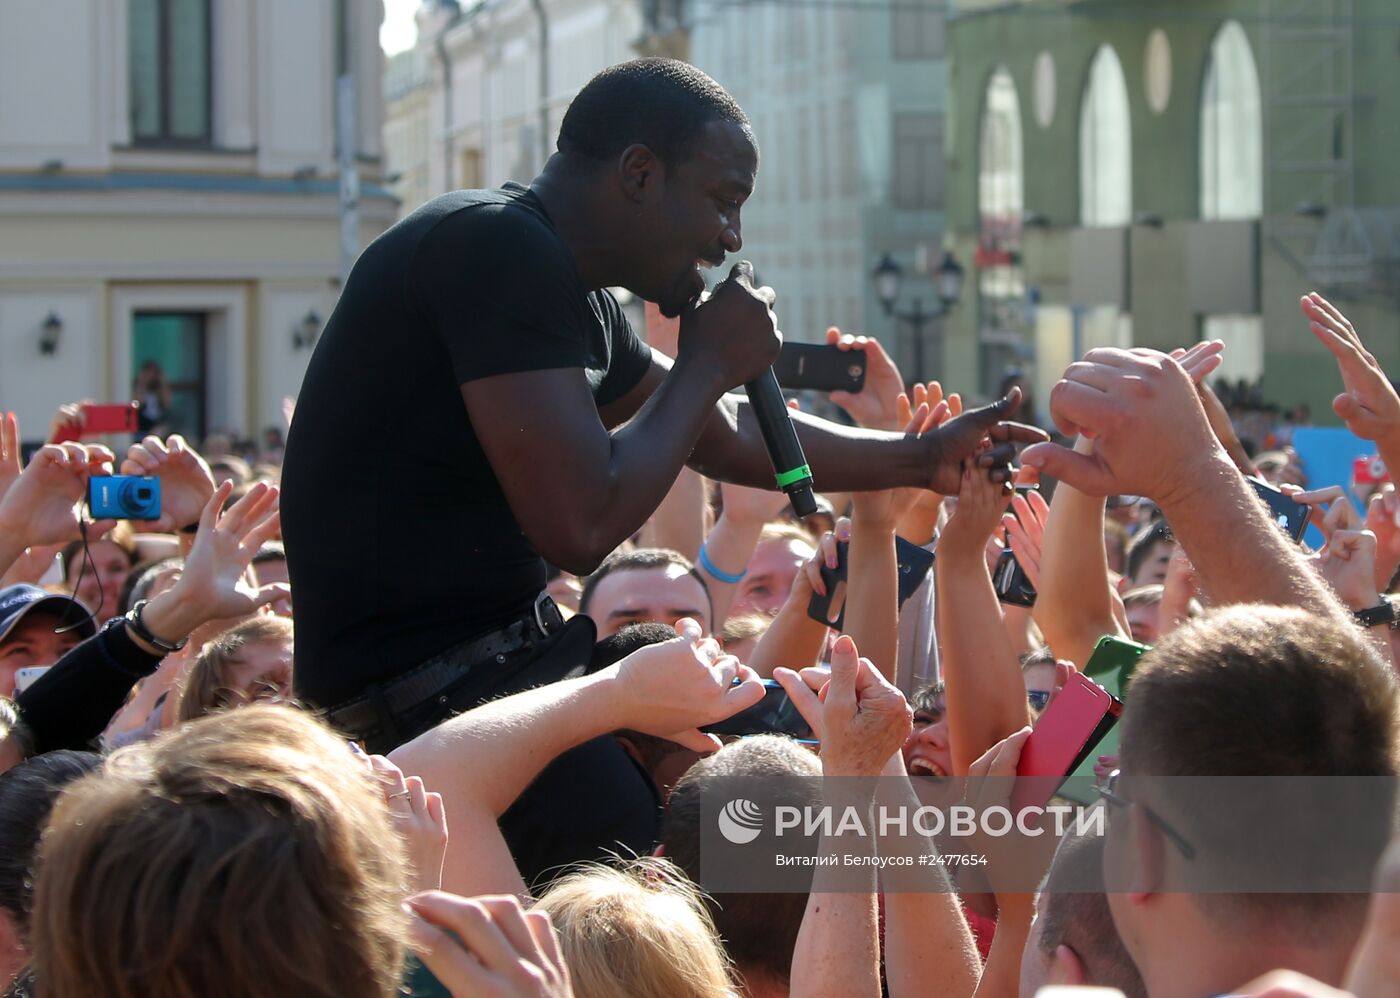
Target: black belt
(385, 702)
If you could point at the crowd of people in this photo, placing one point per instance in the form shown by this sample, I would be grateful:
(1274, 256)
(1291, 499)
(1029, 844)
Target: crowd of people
(196, 798)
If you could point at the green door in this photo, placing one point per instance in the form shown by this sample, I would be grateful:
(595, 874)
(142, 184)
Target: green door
(168, 369)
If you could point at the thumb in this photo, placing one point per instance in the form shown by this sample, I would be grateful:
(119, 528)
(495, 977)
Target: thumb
(742, 273)
(689, 630)
(695, 740)
(845, 663)
(271, 593)
(1081, 471)
(1346, 406)
(990, 415)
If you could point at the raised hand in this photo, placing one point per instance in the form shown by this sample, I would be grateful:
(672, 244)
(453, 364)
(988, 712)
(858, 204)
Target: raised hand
(1329, 509)
(672, 688)
(44, 504)
(418, 818)
(968, 435)
(1141, 410)
(1348, 563)
(875, 405)
(1026, 530)
(1369, 405)
(865, 720)
(10, 463)
(1383, 520)
(186, 483)
(214, 583)
(488, 946)
(68, 423)
(981, 503)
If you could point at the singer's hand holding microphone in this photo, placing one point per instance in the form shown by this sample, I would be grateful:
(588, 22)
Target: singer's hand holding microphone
(738, 315)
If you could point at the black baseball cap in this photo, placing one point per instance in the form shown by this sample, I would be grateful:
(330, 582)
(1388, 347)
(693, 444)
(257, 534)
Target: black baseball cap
(17, 601)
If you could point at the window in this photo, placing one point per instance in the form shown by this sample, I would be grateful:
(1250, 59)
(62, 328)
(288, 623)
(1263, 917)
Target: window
(169, 71)
(918, 30)
(1000, 180)
(918, 161)
(1232, 130)
(1105, 145)
(1000, 204)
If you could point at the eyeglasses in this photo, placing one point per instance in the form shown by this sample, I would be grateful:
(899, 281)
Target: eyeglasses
(1108, 790)
(1038, 698)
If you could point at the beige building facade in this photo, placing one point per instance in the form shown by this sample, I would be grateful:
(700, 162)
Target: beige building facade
(169, 192)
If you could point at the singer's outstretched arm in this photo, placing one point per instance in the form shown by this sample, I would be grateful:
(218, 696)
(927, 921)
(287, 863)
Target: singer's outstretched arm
(843, 458)
(580, 480)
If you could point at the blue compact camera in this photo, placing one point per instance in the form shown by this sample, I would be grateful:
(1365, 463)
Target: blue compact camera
(124, 497)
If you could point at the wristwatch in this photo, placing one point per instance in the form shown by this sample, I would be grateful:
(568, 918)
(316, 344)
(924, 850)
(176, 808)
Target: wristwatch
(1376, 615)
(137, 626)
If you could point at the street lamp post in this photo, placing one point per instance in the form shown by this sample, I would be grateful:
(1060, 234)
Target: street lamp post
(947, 282)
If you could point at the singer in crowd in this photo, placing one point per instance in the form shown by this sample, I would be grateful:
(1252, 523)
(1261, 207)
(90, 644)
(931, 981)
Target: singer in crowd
(478, 403)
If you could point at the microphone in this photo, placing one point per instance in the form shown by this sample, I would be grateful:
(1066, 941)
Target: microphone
(784, 449)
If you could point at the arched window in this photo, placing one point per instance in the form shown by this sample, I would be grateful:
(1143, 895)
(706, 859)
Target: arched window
(1000, 183)
(1232, 178)
(1000, 205)
(1105, 145)
(1232, 130)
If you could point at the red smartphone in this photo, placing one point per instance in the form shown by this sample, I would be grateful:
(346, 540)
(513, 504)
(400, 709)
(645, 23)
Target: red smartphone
(1074, 723)
(114, 417)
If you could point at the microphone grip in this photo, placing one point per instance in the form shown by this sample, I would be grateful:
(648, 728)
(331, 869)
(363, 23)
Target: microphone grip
(784, 449)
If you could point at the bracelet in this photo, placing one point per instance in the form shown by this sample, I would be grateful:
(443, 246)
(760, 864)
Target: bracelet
(137, 626)
(709, 566)
(1376, 615)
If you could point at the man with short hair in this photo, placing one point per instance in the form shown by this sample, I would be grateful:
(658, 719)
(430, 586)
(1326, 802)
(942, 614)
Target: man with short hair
(759, 930)
(648, 584)
(1072, 941)
(1252, 691)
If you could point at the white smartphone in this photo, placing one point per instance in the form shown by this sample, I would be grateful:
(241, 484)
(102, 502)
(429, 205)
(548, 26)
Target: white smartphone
(24, 678)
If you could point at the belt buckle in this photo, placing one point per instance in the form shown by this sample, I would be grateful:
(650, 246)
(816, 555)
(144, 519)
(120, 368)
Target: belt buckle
(540, 601)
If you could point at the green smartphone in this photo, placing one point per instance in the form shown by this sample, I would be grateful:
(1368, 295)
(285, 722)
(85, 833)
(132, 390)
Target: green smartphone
(1111, 666)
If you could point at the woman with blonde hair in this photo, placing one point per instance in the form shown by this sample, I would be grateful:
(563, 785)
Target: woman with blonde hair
(638, 930)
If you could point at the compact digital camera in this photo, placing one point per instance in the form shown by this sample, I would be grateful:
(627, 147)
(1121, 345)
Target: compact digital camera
(124, 497)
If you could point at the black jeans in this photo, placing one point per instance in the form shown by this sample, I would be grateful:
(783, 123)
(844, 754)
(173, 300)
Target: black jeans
(590, 802)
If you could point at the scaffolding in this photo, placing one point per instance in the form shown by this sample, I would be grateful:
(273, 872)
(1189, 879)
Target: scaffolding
(1310, 149)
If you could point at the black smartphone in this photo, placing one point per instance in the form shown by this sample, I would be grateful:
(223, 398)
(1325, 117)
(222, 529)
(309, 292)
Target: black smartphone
(821, 368)
(775, 714)
(911, 562)
(1011, 583)
(1290, 515)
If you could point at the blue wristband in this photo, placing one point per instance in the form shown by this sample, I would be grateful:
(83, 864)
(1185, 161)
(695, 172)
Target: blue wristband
(709, 566)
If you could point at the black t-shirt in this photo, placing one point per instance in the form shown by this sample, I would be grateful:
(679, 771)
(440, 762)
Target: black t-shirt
(400, 542)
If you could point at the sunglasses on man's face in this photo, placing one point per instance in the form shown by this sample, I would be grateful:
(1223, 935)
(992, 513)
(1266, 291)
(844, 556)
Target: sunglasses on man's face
(1038, 698)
